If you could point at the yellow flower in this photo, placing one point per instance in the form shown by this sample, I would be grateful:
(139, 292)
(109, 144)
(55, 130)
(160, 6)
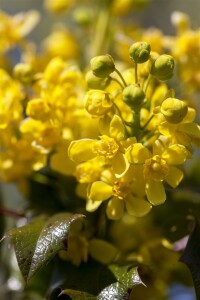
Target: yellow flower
(185, 133)
(14, 28)
(43, 136)
(57, 6)
(17, 158)
(10, 100)
(98, 102)
(158, 166)
(61, 43)
(120, 194)
(90, 171)
(38, 109)
(111, 147)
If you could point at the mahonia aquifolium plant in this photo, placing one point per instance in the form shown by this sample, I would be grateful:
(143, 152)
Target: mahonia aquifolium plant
(94, 129)
(142, 143)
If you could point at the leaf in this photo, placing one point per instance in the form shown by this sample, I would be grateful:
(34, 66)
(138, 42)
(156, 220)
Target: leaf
(91, 277)
(191, 257)
(127, 277)
(115, 291)
(37, 243)
(77, 295)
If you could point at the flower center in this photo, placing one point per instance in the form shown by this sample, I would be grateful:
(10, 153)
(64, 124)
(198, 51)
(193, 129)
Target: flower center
(120, 189)
(106, 147)
(155, 168)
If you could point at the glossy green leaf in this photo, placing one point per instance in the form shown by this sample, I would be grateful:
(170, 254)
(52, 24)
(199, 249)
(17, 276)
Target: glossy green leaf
(127, 277)
(37, 243)
(115, 291)
(77, 295)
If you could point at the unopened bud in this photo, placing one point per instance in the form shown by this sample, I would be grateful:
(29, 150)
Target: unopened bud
(94, 82)
(98, 102)
(163, 67)
(102, 66)
(174, 110)
(24, 73)
(140, 52)
(133, 96)
(83, 16)
(57, 6)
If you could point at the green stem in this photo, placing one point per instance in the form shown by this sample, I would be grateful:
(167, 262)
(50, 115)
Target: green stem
(136, 73)
(148, 121)
(124, 122)
(101, 33)
(146, 84)
(116, 80)
(121, 77)
(136, 124)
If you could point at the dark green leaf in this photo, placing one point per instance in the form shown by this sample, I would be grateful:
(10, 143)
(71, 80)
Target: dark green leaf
(127, 277)
(115, 291)
(24, 240)
(37, 243)
(191, 257)
(77, 295)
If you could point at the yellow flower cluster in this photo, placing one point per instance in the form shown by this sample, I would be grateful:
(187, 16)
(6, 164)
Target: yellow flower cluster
(145, 136)
(125, 131)
(14, 28)
(43, 121)
(186, 50)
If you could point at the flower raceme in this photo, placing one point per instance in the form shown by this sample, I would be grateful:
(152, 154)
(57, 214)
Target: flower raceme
(129, 164)
(126, 133)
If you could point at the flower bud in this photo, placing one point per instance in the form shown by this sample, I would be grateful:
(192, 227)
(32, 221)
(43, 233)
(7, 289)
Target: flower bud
(38, 109)
(57, 6)
(174, 110)
(98, 102)
(163, 67)
(102, 66)
(140, 52)
(94, 82)
(24, 73)
(133, 95)
(83, 16)
(180, 20)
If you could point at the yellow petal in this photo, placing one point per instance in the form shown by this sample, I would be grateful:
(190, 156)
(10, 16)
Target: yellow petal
(99, 191)
(174, 176)
(102, 251)
(92, 205)
(61, 163)
(155, 192)
(192, 129)
(137, 206)
(175, 154)
(137, 153)
(81, 150)
(120, 164)
(117, 130)
(115, 209)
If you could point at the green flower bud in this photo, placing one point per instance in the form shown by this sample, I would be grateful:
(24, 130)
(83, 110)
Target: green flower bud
(133, 96)
(140, 52)
(163, 67)
(102, 66)
(24, 73)
(174, 110)
(83, 16)
(94, 82)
